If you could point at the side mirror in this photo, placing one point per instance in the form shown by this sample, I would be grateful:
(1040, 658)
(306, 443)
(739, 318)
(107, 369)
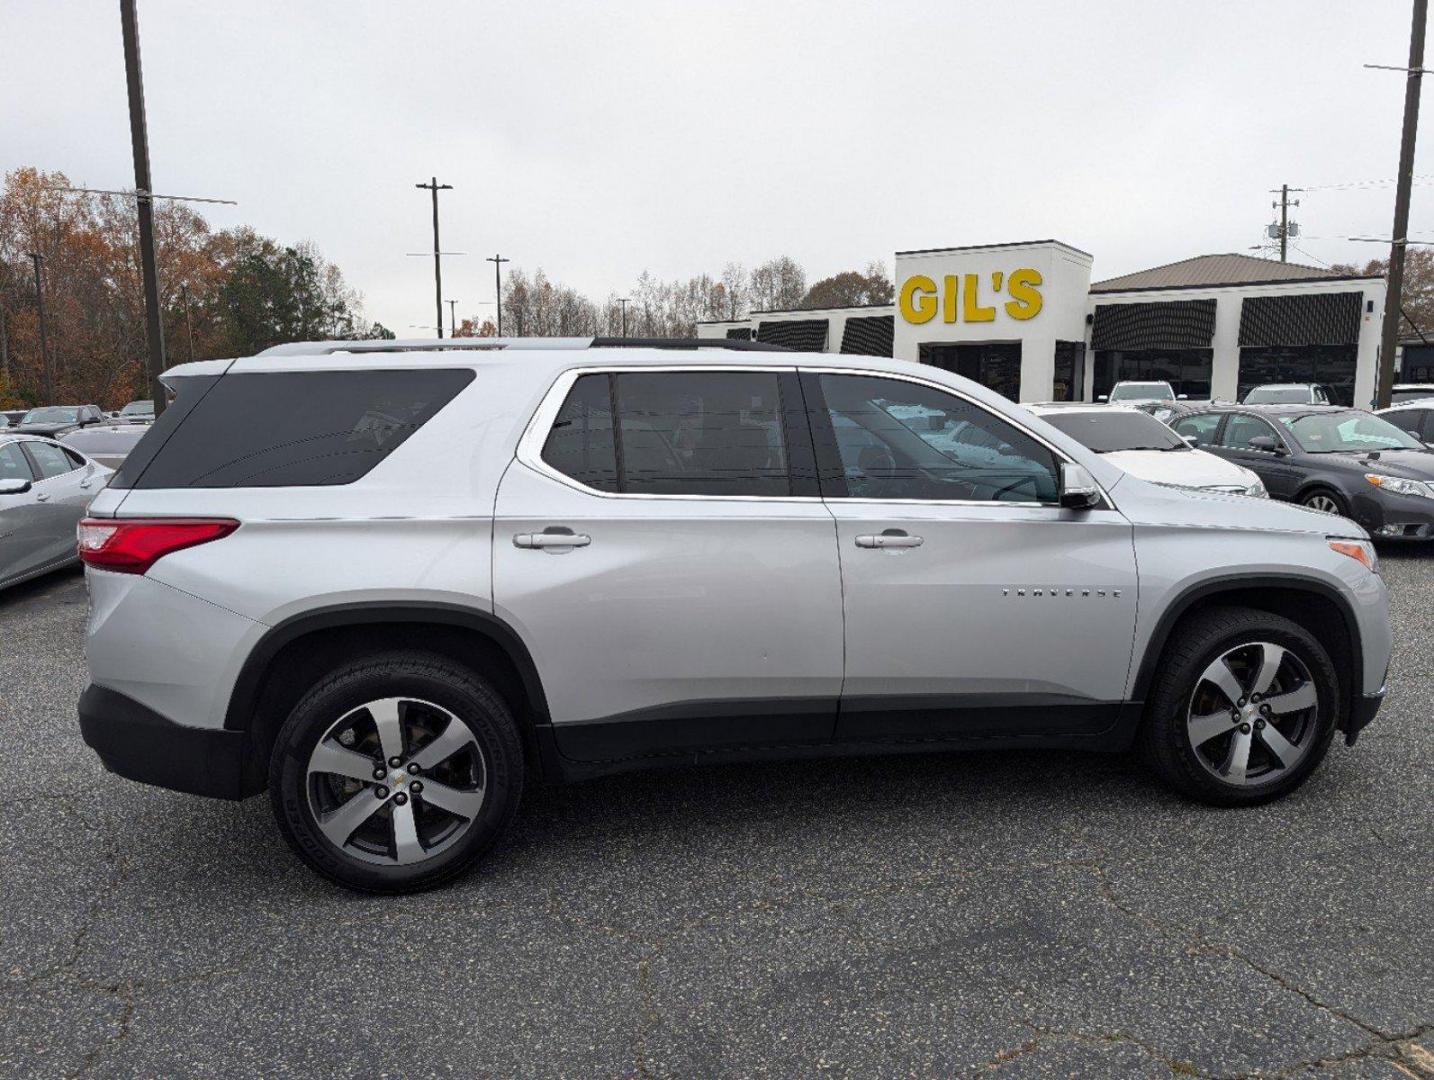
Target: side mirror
(1267, 443)
(14, 487)
(1191, 441)
(1182, 397)
(1416, 435)
(1102, 397)
(1078, 488)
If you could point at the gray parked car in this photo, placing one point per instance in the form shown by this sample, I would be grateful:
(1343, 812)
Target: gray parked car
(436, 570)
(109, 444)
(56, 420)
(44, 489)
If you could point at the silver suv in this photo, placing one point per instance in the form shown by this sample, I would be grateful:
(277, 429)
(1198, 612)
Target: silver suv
(437, 571)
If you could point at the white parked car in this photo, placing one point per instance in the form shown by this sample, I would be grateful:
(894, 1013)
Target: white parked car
(1144, 447)
(1128, 393)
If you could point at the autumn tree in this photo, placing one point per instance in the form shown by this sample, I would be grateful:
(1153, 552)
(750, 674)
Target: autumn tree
(851, 288)
(1416, 298)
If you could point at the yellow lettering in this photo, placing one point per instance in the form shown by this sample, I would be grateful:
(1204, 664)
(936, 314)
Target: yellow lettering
(948, 298)
(918, 308)
(971, 309)
(1025, 302)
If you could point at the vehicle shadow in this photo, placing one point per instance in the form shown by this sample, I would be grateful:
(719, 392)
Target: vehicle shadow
(44, 590)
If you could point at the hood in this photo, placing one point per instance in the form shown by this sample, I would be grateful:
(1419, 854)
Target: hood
(1160, 505)
(1183, 468)
(43, 429)
(1410, 464)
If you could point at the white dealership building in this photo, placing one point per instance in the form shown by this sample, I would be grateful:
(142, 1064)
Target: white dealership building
(1026, 320)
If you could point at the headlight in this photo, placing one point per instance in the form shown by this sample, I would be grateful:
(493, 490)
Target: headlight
(1359, 550)
(1397, 485)
(1256, 490)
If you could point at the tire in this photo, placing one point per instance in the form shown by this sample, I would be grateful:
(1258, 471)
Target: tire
(413, 838)
(1192, 735)
(1326, 500)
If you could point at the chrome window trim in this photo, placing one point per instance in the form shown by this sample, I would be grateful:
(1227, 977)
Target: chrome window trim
(530, 446)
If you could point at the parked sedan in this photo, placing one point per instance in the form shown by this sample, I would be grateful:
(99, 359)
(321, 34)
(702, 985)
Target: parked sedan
(1144, 447)
(108, 444)
(137, 412)
(44, 489)
(1342, 461)
(56, 420)
(1289, 394)
(1415, 417)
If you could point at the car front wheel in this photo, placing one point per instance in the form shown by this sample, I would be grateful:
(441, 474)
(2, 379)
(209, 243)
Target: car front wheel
(396, 772)
(1243, 709)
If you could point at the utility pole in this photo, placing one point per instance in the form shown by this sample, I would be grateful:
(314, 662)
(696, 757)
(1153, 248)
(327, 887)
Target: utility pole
(1284, 207)
(188, 320)
(49, 371)
(1414, 74)
(452, 318)
(4, 347)
(624, 301)
(435, 187)
(498, 261)
(139, 139)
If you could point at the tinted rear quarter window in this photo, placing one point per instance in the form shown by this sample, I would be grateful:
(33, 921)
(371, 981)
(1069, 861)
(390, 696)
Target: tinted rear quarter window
(286, 429)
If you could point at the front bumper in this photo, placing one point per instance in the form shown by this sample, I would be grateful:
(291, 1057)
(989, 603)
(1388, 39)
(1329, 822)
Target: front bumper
(136, 742)
(1395, 517)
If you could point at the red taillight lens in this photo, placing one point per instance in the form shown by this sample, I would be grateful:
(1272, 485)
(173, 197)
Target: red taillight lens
(132, 546)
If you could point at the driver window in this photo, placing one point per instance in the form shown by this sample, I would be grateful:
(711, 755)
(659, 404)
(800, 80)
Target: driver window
(902, 440)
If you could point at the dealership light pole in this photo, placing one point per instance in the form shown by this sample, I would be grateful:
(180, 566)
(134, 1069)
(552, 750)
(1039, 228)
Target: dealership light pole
(452, 317)
(624, 301)
(1414, 74)
(49, 372)
(498, 261)
(435, 187)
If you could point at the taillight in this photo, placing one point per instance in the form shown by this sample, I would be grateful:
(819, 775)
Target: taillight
(133, 545)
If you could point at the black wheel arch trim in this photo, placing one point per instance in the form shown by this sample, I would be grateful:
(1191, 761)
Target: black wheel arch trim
(1202, 590)
(245, 695)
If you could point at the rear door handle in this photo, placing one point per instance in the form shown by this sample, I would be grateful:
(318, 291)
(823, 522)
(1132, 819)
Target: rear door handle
(892, 538)
(41, 496)
(552, 539)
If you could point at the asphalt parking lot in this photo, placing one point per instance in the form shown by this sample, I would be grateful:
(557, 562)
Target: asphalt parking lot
(958, 915)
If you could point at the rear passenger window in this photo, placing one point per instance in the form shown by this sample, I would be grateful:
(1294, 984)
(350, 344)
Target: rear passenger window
(581, 443)
(1202, 427)
(678, 433)
(50, 460)
(702, 433)
(287, 429)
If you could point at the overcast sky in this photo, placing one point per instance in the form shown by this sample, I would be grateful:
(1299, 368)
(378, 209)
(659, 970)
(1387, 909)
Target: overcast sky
(600, 139)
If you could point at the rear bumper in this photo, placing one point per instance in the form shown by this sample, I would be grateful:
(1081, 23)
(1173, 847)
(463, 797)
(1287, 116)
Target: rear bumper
(137, 743)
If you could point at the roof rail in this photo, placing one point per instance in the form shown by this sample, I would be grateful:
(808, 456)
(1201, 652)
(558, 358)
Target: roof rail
(735, 344)
(392, 345)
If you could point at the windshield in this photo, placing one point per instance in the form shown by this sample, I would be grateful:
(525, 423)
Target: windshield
(1278, 395)
(51, 415)
(1110, 430)
(1348, 433)
(138, 408)
(1143, 391)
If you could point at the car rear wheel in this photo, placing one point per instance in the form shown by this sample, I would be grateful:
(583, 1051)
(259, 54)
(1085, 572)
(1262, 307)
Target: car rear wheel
(1243, 709)
(1325, 501)
(396, 772)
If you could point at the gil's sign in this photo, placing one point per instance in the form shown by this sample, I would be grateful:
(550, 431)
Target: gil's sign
(959, 299)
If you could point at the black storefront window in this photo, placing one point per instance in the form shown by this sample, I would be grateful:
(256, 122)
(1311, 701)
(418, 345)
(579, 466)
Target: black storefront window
(995, 365)
(1417, 365)
(1069, 382)
(1332, 365)
(1187, 370)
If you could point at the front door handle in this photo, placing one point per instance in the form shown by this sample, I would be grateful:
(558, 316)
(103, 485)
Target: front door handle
(41, 496)
(552, 539)
(891, 538)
